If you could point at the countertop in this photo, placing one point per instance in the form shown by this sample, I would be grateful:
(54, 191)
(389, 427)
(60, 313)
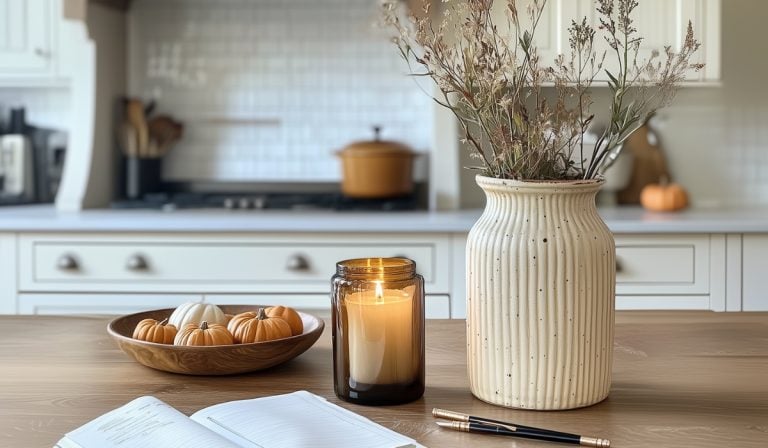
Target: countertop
(680, 379)
(45, 218)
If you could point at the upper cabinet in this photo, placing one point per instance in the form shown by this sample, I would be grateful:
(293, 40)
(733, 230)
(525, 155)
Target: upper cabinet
(660, 22)
(28, 43)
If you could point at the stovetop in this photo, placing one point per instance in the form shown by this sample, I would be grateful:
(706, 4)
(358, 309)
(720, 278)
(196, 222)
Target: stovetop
(265, 201)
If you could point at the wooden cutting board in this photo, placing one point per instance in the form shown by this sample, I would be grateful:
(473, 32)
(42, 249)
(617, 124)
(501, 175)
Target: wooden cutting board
(649, 165)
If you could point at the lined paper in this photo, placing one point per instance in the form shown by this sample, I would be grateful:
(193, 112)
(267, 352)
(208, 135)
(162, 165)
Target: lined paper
(145, 422)
(299, 419)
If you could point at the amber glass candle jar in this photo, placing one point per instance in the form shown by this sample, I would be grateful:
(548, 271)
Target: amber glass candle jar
(378, 331)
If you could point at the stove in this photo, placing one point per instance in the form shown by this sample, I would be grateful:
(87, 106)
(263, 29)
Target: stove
(265, 201)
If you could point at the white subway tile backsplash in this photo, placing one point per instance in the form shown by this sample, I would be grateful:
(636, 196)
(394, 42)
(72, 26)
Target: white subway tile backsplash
(270, 89)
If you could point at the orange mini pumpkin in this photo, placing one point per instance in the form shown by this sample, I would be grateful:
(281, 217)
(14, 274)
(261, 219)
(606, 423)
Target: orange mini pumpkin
(151, 330)
(664, 197)
(289, 315)
(203, 334)
(258, 327)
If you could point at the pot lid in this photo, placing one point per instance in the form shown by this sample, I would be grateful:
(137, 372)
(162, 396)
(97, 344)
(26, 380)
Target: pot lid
(376, 147)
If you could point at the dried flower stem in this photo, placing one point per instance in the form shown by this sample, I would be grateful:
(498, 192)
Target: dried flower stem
(494, 83)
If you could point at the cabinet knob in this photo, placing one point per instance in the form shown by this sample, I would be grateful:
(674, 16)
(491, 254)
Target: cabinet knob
(619, 266)
(39, 52)
(67, 262)
(297, 263)
(136, 263)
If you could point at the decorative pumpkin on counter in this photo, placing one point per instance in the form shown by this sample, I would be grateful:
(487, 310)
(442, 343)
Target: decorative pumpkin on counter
(151, 330)
(289, 315)
(664, 197)
(196, 312)
(258, 327)
(204, 334)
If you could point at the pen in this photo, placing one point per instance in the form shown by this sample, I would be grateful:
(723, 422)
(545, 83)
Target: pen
(469, 423)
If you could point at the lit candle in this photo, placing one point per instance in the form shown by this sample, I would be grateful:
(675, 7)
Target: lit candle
(381, 345)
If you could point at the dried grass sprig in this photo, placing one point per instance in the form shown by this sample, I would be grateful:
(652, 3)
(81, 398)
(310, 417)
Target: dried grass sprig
(494, 83)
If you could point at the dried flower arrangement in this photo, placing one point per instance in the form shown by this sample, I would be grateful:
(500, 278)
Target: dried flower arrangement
(497, 85)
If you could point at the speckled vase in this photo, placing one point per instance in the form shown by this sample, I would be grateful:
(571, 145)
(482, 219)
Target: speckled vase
(541, 276)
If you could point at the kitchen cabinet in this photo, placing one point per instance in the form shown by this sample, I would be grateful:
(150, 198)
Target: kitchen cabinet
(262, 263)
(62, 304)
(111, 273)
(28, 43)
(436, 306)
(660, 272)
(755, 273)
(664, 271)
(660, 22)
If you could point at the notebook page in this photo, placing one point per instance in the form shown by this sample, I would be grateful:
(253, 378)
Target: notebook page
(299, 419)
(143, 423)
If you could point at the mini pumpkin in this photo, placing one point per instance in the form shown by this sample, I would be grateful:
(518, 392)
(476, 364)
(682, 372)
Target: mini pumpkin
(258, 327)
(289, 315)
(203, 334)
(196, 312)
(664, 197)
(151, 330)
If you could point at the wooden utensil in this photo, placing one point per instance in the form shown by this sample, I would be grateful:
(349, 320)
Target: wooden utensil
(134, 113)
(215, 359)
(128, 140)
(164, 132)
(649, 164)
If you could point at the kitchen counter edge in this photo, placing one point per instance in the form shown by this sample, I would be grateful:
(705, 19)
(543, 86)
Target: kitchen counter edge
(45, 218)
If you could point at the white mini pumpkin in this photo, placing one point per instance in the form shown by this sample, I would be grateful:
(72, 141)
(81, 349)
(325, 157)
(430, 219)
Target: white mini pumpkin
(196, 312)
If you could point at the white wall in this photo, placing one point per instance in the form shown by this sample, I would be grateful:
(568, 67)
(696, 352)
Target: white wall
(270, 89)
(46, 107)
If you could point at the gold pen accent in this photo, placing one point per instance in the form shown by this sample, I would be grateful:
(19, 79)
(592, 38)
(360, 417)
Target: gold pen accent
(449, 415)
(456, 426)
(594, 442)
(459, 417)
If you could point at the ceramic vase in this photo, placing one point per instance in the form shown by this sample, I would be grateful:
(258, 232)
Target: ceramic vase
(541, 275)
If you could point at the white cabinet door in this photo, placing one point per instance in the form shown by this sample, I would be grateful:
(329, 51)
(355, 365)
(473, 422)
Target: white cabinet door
(26, 37)
(755, 273)
(549, 35)
(660, 23)
(112, 304)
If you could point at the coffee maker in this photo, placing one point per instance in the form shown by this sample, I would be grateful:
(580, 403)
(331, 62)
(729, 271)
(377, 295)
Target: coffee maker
(31, 162)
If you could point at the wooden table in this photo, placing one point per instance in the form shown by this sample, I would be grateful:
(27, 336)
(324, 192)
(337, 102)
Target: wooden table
(680, 379)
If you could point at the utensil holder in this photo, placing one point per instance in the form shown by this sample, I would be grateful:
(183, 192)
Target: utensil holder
(142, 176)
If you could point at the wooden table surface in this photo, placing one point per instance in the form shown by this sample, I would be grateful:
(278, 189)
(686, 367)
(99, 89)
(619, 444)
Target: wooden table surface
(680, 379)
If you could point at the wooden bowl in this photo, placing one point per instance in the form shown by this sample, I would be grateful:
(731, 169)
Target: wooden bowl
(216, 359)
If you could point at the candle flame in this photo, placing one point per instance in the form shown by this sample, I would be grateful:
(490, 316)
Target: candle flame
(379, 292)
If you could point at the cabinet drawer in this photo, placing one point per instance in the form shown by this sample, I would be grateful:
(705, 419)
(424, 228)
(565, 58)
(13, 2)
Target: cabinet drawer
(662, 264)
(109, 304)
(278, 263)
(435, 306)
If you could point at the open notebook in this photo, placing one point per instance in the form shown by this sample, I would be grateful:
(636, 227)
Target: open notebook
(294, 420)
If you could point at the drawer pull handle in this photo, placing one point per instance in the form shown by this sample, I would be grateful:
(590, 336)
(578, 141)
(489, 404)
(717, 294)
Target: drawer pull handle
(67, 262)
(136, 263)
(297, 263)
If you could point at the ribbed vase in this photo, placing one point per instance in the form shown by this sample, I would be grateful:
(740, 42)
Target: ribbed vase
(541, 275)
